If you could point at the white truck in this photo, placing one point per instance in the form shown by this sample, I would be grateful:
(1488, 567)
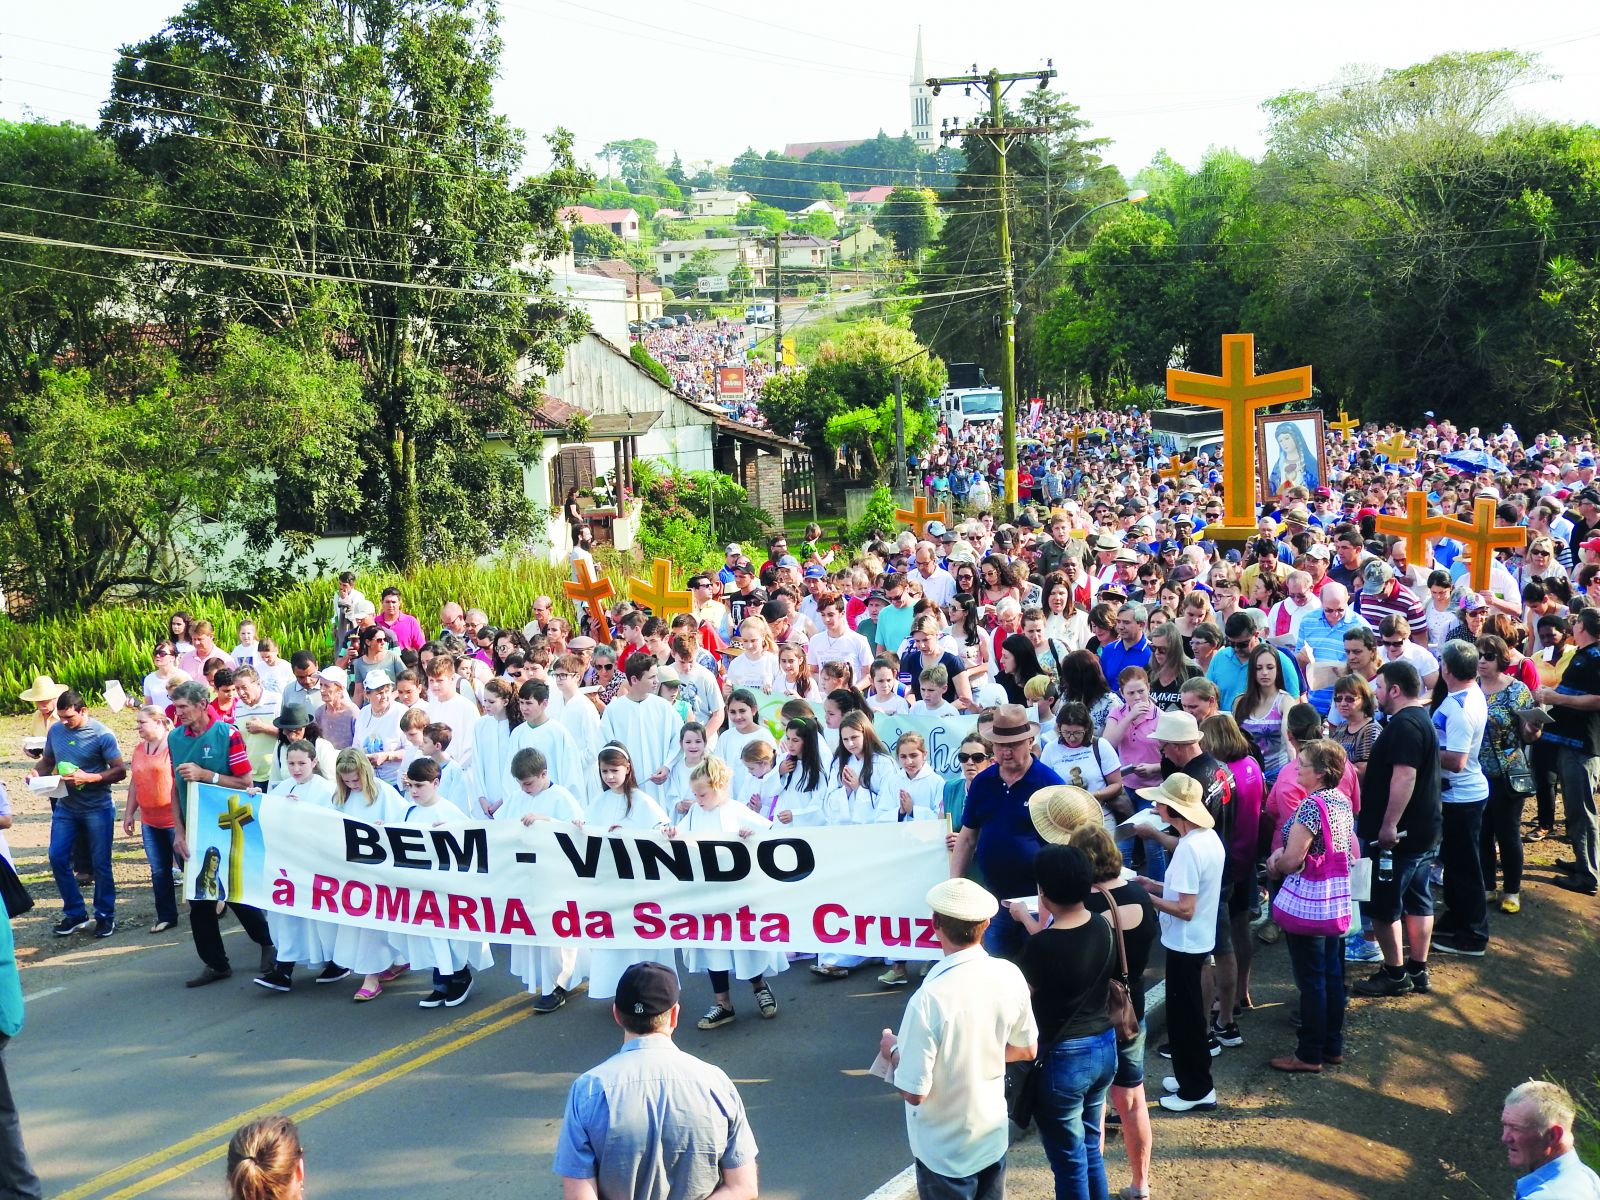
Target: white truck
(758, 314)
(978, 405)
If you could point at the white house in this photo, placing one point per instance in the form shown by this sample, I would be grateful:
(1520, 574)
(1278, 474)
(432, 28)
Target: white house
(804, 252)
(725, 254)
(623, 222)
(717, 202)
(827, 207)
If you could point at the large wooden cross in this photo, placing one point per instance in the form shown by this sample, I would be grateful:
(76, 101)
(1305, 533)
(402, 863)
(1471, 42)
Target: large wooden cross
(1416, 528)
(1240, 393)
(1396, 449)
(1074, 436)
(919, 516)
(1173, 470)
(1482, 537)
(1346, 424)
(234, 821)
(656, 593)
(591, 593)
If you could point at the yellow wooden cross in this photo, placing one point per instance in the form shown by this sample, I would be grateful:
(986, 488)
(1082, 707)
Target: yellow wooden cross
(1346, 424)
(590, 592)
(234, 821)
(1240, 393)
(1173, 470)
(919, 516)
(1482, 537)
(1396, 448)
(1416, 528)
(656, 593)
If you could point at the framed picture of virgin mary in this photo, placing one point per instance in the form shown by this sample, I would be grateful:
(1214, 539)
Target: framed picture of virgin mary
(1290, 452)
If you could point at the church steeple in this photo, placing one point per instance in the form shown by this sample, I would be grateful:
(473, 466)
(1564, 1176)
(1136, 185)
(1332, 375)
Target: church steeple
(922, 128)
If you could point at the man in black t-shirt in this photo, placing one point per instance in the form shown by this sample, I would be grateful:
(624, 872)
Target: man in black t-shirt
(1574, 735)
(1401, 814)
(746, 599)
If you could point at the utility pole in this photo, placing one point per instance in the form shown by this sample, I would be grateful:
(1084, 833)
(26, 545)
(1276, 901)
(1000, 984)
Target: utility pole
(995, 84)
(777, 301)
(899, 435)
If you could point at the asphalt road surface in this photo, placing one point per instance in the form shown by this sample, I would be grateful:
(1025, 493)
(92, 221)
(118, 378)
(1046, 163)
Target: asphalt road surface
(130, 1085)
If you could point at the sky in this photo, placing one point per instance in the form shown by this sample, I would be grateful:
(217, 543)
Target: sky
(705, 80)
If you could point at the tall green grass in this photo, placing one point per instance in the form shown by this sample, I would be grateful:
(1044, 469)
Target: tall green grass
(113, 641)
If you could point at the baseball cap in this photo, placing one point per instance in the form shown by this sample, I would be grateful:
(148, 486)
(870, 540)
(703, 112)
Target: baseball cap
(743, 567)
(1592, 545)
(1170, 547)
(878, 594)
(734, 548)
(1183, 573)
(1475, 603)
(775, 609)
(377, 679)
(647, 989)
(363, 608)
(936, 529)
(789, 560)
(1318, 550)
(816, 571)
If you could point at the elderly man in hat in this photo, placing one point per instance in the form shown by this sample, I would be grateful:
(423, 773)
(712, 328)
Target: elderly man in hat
(971, 1016)
(995, 826)
(653, 1122)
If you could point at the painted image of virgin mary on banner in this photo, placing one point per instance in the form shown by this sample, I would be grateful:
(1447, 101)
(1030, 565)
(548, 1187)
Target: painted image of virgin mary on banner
(1292, 461)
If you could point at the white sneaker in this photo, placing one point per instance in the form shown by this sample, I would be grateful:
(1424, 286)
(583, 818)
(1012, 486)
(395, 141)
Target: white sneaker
(1169, 1084)
(1174, 1103)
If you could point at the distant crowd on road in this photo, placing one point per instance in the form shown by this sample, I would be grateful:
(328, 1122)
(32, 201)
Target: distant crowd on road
(692, 354)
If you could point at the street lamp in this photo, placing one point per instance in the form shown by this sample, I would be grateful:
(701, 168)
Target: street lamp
(1137, 196)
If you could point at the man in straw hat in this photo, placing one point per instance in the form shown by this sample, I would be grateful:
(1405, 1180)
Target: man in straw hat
(1187, 900)
(995, 826)
(970, 1017)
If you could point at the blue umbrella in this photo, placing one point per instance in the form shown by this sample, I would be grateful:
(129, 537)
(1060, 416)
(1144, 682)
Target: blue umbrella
(1473, 461)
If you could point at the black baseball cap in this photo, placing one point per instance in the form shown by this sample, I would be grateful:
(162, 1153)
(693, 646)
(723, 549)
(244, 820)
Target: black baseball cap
(647, 989)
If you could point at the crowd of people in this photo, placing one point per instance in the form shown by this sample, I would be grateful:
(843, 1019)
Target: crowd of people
(1317, 736)
(692, 353)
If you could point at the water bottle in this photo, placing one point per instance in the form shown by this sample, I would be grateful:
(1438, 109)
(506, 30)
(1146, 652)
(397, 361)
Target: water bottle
(1386, 865)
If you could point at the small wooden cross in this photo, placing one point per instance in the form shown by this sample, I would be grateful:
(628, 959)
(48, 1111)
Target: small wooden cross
(234, 821)
(1173, 470)
(1416, 528)
(919, 516)
(591, 593)
(1396, 448)
(1346, 424)
(1482, 537)
(656, 593)
(1240, 393)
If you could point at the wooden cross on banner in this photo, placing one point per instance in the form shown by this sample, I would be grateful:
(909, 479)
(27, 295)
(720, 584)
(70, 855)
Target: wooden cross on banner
(1417, 529)
(591, 592)
(1346, 424)
(1173, 470)
(234, 821)
(656, 593)
(1396, 448)
(919, 516)
(1482, 537)
(1240, 393)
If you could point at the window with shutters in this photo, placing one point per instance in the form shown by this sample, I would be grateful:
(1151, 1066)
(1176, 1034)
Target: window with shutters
(573, 468)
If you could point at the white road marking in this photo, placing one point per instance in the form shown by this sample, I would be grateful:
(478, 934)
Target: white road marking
(41, 994)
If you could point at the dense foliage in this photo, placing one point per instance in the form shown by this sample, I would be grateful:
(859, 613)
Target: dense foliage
(688, 516)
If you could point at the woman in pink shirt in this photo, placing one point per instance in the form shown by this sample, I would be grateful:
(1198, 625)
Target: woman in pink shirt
(1221, 737)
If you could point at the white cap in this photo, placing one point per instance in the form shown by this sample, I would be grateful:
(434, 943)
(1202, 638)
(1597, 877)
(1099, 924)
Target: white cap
(333, 675)
(377, 679)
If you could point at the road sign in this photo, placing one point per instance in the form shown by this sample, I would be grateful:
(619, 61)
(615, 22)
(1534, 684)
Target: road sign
(711, 283)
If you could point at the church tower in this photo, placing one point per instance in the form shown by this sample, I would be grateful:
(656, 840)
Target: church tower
(923, 132)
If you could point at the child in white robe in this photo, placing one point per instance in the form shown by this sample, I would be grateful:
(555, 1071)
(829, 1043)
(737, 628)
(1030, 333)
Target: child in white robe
(450, 959)
(863, 794)
(807, 775)
(755, 782)
(361, 795)
(743, 727)
(692, 751)
(715, 814)
(580, 718)
(622, 804)
(491, 751)
(550, 972)
(298, 939)
(920, 790)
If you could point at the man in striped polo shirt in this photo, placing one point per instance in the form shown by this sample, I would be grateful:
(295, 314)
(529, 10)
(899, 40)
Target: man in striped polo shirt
(1383, 595)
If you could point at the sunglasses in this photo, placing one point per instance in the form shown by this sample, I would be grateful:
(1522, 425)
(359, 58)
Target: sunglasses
(971, 758)
(1394, 645)
(605, 666)
(1245, 645)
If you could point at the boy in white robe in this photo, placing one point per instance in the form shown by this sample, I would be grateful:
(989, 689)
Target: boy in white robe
(646, 724)
(550, 972)
(539, 732)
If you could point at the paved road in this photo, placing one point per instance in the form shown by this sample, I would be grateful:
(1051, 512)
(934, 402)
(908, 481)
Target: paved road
(130, 1085)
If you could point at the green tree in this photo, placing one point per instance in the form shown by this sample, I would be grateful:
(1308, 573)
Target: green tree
(597, 241)
(358, 144)
(739, 279)
(852, 374)
(817, 224)
(634, 159)
(687, 277)
(774, 220)
(645, 359)
(907, 218)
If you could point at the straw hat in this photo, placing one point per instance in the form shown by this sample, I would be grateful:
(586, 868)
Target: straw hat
(44, 688)
(1184, 796)
(962, 900)
(1060, 810)
(1176, 727)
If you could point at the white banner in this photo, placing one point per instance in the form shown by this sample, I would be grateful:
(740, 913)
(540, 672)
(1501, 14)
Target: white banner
(856, 889)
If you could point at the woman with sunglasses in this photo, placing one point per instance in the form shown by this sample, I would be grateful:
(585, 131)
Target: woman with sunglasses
(1540, 563)
(973, 756)
(1504, 763)
(164, 677)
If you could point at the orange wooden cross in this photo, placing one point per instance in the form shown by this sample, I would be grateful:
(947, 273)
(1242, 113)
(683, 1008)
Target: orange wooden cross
(656, 593)
(1240, 393)
(919, 516)
(1074, 436)
(1482, 537)
(1346, 424)
(591, 592)
(1395, 449)
(1417, 528)
(1173, 470)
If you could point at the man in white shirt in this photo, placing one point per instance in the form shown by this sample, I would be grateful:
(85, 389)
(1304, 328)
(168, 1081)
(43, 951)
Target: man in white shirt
(1460, 719)
(971, 1016)
(837, 642)
(252, 717)
(938, 584)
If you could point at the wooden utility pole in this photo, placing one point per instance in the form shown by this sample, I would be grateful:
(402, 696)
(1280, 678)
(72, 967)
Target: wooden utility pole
(777, 301)
(995, 84)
